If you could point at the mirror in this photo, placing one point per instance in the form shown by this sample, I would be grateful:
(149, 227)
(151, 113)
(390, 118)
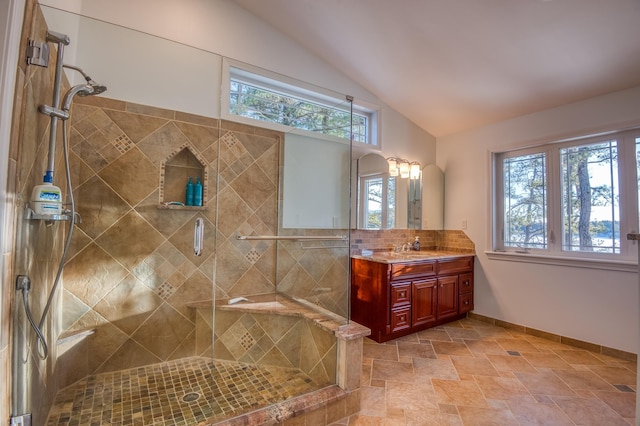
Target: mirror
(385, 202)
(432, 197)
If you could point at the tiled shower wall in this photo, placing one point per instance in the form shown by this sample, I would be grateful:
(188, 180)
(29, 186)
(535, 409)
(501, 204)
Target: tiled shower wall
(36, 246)
(132, 273)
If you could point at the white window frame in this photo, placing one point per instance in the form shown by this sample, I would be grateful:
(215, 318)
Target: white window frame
(299, 89)
(626, 260)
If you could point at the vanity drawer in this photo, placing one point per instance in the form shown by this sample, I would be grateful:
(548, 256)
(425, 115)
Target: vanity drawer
(413, 269)
(460, 264)
(400, 295)
(400, 319)
(466, 283)
(466, 303)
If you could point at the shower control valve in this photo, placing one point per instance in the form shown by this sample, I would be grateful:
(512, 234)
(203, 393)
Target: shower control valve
(23, 283)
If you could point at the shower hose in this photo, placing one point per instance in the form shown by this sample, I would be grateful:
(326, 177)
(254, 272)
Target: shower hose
(42, 348)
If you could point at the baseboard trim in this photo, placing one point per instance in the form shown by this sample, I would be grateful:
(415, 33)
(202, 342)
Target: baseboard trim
(604, 350)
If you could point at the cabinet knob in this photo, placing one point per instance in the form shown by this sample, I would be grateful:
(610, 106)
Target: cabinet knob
(466, 303)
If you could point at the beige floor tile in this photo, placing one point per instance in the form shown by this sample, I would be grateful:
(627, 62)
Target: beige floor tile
(518, 345)
(578, 357)
(411, 396)
(484, 347)
(451, 348)
(473, 366)
(533, 413)
(501, 388)
(588, 411)
(624, 403)
(434, 368)
(431, 417)
(472, 416)
(459, 393)
(583, 380)
(545, 360)
(544, 383)
(615, 375)
(504, 363)
(417, 350)
(388, 352)
(392, 370)
(434, 334)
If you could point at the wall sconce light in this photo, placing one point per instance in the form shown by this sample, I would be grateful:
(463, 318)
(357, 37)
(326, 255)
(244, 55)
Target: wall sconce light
(415, 170)
(393, 166)
(404, 169)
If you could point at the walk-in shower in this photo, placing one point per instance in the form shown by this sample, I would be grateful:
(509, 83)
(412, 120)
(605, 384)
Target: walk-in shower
(143, 330)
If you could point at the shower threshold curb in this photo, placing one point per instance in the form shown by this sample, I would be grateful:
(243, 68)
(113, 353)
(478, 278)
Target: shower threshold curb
(281, 411)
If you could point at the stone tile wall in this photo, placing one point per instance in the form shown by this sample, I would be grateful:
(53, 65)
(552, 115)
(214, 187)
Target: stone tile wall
(387, 239)
(33, 248)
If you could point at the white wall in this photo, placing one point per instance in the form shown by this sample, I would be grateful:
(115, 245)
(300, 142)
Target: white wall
(592, 305)
(223, 28)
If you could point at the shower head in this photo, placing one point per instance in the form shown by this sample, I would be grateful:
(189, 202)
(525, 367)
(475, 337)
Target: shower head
(81, 90)
(97, 88)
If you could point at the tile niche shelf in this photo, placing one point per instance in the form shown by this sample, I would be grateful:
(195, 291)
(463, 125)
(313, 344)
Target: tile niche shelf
(175, 172)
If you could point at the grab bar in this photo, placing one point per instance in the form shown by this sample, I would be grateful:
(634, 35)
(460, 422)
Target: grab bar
(292, 237)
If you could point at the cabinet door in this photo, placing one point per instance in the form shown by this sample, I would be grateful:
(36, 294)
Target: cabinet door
(424, 301)
(447, 296)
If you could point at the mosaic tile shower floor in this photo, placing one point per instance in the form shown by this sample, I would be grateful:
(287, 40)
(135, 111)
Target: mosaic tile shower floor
(182, 392)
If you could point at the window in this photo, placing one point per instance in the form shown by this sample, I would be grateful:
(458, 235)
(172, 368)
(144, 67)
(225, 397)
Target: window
(568, 198)
(378, 191)
(275, 99)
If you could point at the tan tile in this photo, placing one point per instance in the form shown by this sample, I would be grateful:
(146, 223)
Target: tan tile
(578, 357)
(615, 375)
(451, 348)
(410, 396)
(416, 350)
(544, 383)
(373, 402)
(501, 388)
(485, 416)
(473, 366)
(460, 393)
(431, 417)
(434, 334)
(92, 274)
(462, 333)
(582, 380)
(624, 403)
(135, 126)
(484, 347)
(392, 370)
(434, 368)
(98, 206)
(132, 176)
(377, 351)
(163, 331)
(518, 345)
(532, 413)
(545, 360)
(588, 411)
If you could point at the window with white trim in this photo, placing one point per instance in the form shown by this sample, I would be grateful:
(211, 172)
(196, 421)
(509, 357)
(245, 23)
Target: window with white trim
(271, 98)
(576, 198)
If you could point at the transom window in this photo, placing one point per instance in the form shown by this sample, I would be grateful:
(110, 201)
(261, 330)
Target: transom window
(569, 198)
(269, 99)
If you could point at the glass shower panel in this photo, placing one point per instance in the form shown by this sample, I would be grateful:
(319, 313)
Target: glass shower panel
(315, 204)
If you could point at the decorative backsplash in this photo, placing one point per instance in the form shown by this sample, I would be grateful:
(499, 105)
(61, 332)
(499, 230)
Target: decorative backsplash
(385, 240)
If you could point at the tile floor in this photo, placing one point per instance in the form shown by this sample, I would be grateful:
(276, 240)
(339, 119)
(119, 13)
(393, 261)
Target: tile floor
(472, 373)
(183, 392)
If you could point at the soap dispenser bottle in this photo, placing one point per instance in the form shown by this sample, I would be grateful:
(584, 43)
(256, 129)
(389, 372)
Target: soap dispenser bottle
(416, 243)
(189, 193)
(197, 193)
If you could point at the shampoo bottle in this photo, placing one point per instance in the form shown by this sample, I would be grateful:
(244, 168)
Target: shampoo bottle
(197, 193)
(416, 243)
(189, 190)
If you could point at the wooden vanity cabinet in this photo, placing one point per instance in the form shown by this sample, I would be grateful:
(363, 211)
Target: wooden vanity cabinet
(396, 299)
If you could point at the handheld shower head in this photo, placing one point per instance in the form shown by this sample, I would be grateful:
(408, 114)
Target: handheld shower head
(81, 90)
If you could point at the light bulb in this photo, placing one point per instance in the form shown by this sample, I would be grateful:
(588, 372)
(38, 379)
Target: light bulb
(415, 170)
(404, 169)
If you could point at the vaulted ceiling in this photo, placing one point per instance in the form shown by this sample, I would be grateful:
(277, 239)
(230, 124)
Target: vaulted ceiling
(453, 65)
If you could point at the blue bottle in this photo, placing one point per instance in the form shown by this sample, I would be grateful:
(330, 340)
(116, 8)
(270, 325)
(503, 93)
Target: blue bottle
(197, 193)
(190, 190)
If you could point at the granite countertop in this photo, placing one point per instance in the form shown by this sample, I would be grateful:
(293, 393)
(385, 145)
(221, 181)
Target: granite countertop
(411, 256)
